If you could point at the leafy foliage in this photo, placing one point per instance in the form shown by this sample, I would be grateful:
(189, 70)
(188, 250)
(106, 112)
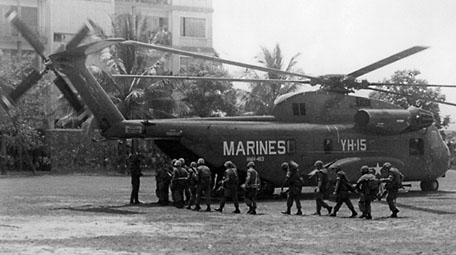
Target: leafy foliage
(21, 125)
(262, 96)
(139, 97)
(207, 98)
(410, 77)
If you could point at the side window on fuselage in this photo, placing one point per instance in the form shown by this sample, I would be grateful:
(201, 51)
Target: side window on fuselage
(299, 109)
(327, 145)
(416, 147)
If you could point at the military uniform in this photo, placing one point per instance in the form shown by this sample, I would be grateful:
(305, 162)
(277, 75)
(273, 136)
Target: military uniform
(341, 190)
(393, 184)
(135, 172)
(251, 186)
(163, 180)
(179, 182)
(230, 183)
(192, 183)
(366, 187)
(294, 182)
(321, 189)
(204, 185)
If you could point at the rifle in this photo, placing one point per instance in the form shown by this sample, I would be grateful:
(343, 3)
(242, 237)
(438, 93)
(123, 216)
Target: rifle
(385, 191)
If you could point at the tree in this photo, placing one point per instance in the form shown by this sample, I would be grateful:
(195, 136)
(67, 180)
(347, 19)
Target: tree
(207, 98)
(135, 98)
(262, 96)
(20, 126)
(415, 94)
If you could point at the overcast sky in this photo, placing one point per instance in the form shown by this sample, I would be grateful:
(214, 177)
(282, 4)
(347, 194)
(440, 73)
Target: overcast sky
(342, 36)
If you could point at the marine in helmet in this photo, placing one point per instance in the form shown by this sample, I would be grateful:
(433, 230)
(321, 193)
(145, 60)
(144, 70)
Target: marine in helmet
(204, 185)
(392, 186)
(192, 183)
(321, 189)
(294, 183)
(135, 171)
(187, 192)
(251, 187)
(230, 184)
(367, 186)
(341, 191)
(178, 183)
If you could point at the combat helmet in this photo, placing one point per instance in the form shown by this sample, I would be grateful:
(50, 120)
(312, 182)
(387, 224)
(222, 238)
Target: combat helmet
(229, 164)
(364, 169)
(200, 161)
(284, 166)
(318, 163)
(293, 165)
(251, 164)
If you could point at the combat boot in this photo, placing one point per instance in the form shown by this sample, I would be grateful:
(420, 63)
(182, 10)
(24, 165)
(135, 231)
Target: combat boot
(219, 209)
(333, 214)
(237, 211)
(329, 208)
(354, 214)
(299, 212)
(253, 211)
(394, 214)
(197, 208)
(287, 211)
(368, 216)
(208, 209)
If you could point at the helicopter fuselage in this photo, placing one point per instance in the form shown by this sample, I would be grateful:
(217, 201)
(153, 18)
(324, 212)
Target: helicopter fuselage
(421, 155)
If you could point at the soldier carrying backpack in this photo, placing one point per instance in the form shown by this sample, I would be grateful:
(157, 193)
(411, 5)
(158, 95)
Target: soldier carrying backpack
(393, 184)
(367, 186)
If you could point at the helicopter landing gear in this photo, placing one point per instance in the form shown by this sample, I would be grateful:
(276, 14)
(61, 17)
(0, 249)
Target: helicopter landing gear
(429, 185)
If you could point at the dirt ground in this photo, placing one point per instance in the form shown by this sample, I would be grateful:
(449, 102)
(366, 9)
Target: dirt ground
(88, 214)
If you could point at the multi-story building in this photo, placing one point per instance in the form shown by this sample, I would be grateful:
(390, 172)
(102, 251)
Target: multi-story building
(184, 24)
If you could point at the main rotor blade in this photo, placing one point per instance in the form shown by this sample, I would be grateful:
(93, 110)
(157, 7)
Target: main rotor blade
(408, 85)
(77, 39)
(416, 97)
(196, 78)
(26, 32)
(387, 61)
(215, 59)
(25, 85)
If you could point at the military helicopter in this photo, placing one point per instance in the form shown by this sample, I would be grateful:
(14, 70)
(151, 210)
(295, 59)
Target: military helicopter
(327, 124)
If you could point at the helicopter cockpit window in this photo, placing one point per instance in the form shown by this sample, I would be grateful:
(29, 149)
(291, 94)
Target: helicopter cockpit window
(416, 146)
(299, 109)
(327, 145)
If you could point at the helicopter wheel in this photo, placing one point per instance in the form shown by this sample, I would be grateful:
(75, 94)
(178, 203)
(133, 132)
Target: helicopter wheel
(429, 185)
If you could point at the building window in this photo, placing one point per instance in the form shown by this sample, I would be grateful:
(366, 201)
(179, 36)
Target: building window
(299, 109)
(416, 147)
(193, 27)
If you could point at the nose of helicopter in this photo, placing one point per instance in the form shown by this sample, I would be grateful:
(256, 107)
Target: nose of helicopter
(439, 154)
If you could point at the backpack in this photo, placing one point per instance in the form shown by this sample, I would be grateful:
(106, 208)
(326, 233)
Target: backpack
(398, 178)
(373, 185)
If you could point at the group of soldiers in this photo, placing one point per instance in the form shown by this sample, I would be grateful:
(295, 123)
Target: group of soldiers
(190, 184)
(368, 187)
